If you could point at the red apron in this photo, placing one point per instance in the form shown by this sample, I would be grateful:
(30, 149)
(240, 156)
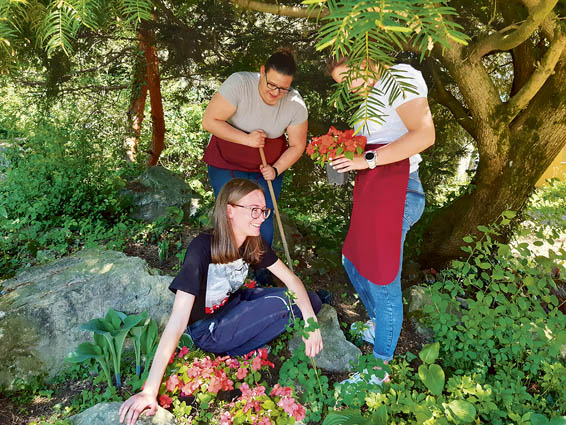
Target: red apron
(221, 153)
(373, 243)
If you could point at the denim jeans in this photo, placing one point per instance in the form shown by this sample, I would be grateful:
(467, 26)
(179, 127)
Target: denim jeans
(384, 303)
(220, 176)
(251, 319)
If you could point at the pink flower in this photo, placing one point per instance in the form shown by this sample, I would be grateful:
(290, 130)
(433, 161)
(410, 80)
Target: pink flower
(184, 350)
(242, 373)
(172, 383)
(256, 363)
(264, 421)
(165, 401)
(191, 387)
(246, 392)
(214, 385)
(226, 419)
(281, 391)
(232, 363)
(292, 408)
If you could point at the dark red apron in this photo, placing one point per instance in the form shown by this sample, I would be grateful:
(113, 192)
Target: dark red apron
(221, 153)
(373, 243)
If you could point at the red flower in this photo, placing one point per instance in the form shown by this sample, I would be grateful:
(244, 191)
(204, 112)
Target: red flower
(165, 401)
(184, 350)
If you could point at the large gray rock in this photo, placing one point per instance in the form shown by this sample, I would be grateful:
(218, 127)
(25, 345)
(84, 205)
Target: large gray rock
(43, 307)
(107, 414)
(338, 352)
(417, 298)
(156, 190)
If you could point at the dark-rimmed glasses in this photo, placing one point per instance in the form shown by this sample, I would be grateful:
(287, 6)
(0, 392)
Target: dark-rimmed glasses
(274, 87)
(256, 212)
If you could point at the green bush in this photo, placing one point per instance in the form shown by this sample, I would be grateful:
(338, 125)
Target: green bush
(60, 190)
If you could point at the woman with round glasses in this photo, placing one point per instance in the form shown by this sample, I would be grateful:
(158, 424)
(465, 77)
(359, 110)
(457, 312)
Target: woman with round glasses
(255, 110)
(210, 303)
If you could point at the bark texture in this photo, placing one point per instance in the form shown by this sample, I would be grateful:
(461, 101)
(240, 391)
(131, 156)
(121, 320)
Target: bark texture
(138, 94)
(154, 87)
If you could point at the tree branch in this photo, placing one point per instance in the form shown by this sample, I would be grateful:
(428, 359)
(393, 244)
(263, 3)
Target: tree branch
(501, 40)
(281, 10)
(444, 97)
(544, 70)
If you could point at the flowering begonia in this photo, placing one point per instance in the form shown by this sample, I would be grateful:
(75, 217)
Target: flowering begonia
(165, 401)
(334, 143)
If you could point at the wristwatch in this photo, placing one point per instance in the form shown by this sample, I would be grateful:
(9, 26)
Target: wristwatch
(371, 158)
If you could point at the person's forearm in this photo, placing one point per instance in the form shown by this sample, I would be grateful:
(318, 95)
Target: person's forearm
(406, 146)
(289, 157)
(165, 349)
(225, 131)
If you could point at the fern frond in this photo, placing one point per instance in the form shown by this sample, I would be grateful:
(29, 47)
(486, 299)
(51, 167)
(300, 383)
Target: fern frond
(60, 27)
(135, 11)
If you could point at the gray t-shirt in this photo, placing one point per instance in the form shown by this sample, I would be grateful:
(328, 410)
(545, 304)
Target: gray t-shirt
(252, 113)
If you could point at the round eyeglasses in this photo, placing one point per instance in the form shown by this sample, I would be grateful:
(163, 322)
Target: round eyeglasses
(256, 212)
(274, 87)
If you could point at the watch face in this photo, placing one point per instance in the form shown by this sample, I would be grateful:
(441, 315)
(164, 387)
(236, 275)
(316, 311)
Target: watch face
(370, 156)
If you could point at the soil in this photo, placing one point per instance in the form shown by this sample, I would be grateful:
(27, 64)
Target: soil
(20, 410)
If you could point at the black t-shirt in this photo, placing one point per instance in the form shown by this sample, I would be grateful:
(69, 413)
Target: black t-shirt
(212, 284)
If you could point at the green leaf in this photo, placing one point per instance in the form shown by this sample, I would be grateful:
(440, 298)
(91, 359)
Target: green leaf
(429, 353)
(538, 419)
(463, 410)
(345, 417)
(558, 420)
(433, 378)
(379, 417)
(467, 239)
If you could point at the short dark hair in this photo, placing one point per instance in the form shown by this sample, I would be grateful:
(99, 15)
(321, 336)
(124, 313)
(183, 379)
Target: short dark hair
(283, 62)
(334, 62)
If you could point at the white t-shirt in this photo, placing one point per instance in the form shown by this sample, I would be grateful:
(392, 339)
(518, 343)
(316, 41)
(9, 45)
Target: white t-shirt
(252, 113)
(392, 126)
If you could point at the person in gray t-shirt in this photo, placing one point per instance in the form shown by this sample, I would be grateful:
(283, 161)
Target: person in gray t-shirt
(251, 111)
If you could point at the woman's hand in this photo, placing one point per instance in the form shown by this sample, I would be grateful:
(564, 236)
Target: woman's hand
(268, 172)
(343, 164)
(135, 405)
(256, 139)
(313, 345)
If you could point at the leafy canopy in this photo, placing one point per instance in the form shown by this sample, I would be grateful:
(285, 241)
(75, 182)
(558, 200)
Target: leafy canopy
(371, 32)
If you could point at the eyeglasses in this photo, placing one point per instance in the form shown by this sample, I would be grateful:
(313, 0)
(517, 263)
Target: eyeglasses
(273, 87)
(255, 211)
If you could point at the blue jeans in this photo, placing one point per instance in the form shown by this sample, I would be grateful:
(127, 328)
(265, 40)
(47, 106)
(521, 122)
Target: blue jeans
(384, 303)
(251, 319)
(220, 176)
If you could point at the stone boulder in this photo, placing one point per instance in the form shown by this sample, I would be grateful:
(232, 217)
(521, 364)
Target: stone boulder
(107, 414)
(338, 352)
(43, 307)
(417, 297)
(157, 189)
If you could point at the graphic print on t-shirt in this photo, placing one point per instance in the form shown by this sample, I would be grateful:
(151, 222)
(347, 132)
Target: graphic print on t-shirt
(223, 280)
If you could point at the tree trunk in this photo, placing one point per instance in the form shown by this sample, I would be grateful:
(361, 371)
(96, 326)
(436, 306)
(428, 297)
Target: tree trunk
(138, 93)
(154, 86)
(506, 176)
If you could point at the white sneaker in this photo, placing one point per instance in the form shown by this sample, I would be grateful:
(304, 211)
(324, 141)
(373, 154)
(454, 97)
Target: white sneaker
(366, 330)
(368, 379)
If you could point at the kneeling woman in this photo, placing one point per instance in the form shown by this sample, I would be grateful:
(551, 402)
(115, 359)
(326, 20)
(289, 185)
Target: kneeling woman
(221, 317)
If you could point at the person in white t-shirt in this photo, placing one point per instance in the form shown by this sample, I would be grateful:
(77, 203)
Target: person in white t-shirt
(388, 195)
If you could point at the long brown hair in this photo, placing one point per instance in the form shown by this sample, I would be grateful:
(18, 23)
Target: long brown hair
(224, 248)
